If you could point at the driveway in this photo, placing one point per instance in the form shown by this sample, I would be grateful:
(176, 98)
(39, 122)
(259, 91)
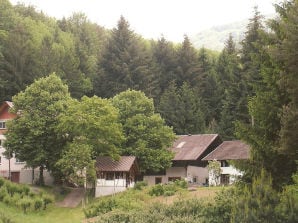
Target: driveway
(73, 199)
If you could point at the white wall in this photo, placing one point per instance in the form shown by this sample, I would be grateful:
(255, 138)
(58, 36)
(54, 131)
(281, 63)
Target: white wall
(25, 173)
(200, 173)
(232, 171)
(170, 172)
(108, 187)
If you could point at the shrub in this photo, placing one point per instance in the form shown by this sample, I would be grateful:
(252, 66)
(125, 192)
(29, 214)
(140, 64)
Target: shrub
(11, 188)
(5, 218)
(3, 193)
(37, 203)
(47, 199)
(139, 185)
(101, 207)
(25, 203)
(156, 190)
(2, 181)
(181, 184)
(169, 193)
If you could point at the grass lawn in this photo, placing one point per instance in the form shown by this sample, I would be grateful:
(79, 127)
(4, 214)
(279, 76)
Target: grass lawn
(51, 215)
(54, 214)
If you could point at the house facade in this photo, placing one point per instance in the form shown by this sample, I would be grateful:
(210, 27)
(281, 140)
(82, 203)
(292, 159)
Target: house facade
(114, 176)
(225, 152)
(14, 168)
(187, 163)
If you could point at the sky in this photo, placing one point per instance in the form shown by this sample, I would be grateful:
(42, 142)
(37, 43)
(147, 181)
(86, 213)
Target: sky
(155, 18)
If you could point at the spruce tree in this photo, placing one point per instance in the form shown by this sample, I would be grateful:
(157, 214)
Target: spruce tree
(125, 63)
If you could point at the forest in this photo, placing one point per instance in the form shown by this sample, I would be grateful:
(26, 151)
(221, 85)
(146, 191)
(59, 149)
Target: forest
(248, 92)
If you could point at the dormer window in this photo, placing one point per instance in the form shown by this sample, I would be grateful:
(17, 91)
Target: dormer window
(2, 125)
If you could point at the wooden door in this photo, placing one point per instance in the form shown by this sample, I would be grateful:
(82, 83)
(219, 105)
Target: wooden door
(15, 177)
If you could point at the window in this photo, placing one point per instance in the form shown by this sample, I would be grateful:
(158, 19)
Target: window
(224, 163)
(158, 180)
(19, 161)
(224, 179)
(2, 125)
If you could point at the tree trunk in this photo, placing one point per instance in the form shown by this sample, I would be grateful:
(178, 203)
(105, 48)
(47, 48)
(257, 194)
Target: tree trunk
(41, 180)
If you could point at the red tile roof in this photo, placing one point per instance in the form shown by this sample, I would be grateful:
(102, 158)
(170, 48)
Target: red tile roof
(191, 147)
(229, 150)
(105, 163)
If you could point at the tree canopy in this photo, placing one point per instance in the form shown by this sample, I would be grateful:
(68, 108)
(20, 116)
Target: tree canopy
(147, 136)
(32, 134)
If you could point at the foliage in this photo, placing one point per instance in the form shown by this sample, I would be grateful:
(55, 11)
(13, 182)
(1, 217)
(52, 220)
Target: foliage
(258, 203)
(182, 109)
(94, 122)
(32, 134)
(139, 185)
(124, 63)
(4, 218)
(214, 171)
(147, 136)
(76, 162)
(20, 196)
(167, 189)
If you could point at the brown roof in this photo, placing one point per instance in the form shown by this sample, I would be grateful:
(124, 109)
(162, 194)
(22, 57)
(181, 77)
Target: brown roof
(191, 147)
(229, 150)
(6, 104)
(105, 163)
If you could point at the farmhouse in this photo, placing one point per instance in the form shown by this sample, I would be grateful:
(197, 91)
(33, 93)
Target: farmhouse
(187, 163)
(114, 176)
(225, 152)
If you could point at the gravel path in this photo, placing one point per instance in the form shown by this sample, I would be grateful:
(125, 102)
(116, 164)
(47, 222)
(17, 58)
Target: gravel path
(73, 199)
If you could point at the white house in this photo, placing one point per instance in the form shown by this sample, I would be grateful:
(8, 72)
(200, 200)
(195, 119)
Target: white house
(225, 152)
(114, 176)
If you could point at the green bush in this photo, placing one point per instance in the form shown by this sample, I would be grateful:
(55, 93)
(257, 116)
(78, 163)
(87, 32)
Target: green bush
(101, 207)
(47, 199)
(139, 185)
(11, 188)
(37, 203)
(25, 204)
(181, 184)
(3, 193)
(5, 218)
(169, 193)
(157, 190)
(2, 181)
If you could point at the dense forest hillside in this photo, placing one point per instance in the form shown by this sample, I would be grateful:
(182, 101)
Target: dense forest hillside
(133, 95)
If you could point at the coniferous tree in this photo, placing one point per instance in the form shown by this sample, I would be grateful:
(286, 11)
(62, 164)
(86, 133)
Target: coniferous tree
(125, 63)
(188, 68)
(228, 68)
(182, 109)
(252, 48)
(266, 135)
(164, 58)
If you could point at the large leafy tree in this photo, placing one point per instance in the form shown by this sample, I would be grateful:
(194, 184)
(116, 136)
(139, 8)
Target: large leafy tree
(92, 121)
(147, 136)
(91, 128)
(32, 134)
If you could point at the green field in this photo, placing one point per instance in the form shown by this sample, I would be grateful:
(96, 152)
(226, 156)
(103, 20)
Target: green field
(55, 214)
